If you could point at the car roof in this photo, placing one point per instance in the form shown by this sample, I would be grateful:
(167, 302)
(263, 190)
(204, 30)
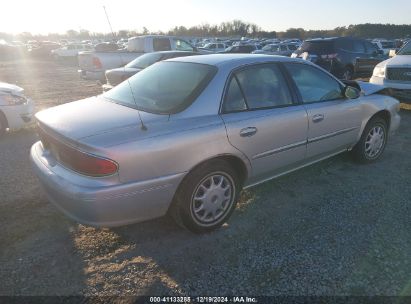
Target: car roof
(234, 59)
(332, 39)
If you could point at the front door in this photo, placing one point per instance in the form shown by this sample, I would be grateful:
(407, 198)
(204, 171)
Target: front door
(333, 121)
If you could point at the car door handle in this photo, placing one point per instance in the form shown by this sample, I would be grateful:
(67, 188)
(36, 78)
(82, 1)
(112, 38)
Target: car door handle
(318, 117)
(247, 132)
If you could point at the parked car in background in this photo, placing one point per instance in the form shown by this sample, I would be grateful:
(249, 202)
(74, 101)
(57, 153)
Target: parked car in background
(395, 73)
(240, 49)
(185, 135)
(116, 76)
(43, 49)
(268, 49)
(385, 45)
(214, 47)
(70, 50)
(344, 57)
(283, 49)
(93, 64)
(16, 110)
(8, 51)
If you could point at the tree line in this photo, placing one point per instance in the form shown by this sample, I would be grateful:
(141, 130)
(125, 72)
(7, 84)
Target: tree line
(235, 28)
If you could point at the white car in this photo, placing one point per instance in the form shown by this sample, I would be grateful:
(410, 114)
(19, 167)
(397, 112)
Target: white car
(395, 73)
(215, 47)
(16, 110)
(71, 50)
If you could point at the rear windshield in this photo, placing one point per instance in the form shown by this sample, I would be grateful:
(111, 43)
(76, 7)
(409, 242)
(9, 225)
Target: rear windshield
(317, 47)
(164, 87)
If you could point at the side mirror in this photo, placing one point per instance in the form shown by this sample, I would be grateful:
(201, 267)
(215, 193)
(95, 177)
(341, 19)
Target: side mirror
(351, 92)
(392, 53)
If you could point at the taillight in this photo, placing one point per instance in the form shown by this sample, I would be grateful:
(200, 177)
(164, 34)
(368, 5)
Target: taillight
(85, 163)
(329, 56)
(97, 63)
(81, 162)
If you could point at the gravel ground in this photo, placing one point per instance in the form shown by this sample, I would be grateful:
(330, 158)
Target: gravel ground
(335, 228)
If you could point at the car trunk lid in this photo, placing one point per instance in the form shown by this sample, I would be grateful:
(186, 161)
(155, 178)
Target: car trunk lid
(82, 119)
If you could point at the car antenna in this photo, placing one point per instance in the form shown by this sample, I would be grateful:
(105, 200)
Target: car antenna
(143, 126)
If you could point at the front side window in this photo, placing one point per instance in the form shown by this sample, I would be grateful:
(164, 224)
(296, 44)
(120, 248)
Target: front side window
(292, 47)
(161, 44)
(164, 87)
(314, 85)
(257, 87)
(371, 48)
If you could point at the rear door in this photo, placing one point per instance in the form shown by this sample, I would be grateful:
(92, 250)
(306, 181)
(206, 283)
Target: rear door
(333, 121)
(263, 121)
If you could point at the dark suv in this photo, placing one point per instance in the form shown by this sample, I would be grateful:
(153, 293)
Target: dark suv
(345, 57)
(247, 48)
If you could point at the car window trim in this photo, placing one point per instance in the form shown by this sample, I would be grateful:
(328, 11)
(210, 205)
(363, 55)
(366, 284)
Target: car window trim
(321, 70)
(294, 100)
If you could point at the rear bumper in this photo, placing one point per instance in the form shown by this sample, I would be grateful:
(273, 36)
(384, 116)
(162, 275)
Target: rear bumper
(103, 205)
(92, 75)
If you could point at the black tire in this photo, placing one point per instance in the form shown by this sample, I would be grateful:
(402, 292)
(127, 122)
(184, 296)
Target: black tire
(348, 73)
(361, 151)
(184, 202)
(3, 124)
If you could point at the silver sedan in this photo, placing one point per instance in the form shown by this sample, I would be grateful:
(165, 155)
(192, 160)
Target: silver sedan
(185, 135)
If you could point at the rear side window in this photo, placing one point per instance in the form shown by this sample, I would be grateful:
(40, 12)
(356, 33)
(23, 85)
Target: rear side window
(313, 84)
(358, 46)
(234, 100)
(161, 44)
(257, 87)
(318, 47)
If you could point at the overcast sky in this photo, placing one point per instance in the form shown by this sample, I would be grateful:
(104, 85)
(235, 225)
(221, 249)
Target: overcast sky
(44, 16)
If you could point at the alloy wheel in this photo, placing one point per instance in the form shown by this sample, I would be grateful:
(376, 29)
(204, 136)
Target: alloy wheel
(212, 198)
(374, 142)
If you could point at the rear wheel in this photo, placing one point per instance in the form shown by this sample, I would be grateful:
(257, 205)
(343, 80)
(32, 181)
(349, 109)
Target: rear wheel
(207, 197)
(372, 142)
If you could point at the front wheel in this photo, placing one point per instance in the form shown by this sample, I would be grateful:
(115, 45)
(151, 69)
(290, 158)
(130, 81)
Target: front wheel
(207, 197)
(372, 142)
